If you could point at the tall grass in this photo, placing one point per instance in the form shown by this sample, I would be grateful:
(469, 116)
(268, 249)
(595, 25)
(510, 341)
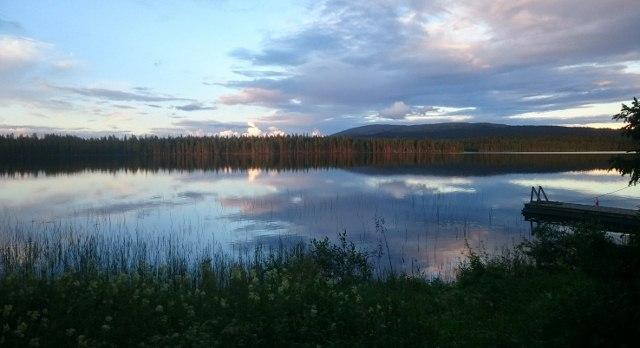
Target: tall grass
(561, 288)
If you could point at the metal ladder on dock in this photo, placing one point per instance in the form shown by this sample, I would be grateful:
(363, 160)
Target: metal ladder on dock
(539, 194)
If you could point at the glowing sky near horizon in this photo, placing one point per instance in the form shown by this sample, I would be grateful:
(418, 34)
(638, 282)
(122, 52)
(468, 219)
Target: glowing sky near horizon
(256, 67)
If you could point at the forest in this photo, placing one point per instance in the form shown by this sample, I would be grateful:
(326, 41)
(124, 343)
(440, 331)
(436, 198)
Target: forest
(33, 146)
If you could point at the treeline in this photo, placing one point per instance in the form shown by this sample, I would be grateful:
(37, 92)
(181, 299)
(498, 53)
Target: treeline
(287, 145)
(426, 164)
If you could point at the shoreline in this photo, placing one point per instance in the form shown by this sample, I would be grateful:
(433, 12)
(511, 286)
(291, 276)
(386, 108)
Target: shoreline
(546, 153)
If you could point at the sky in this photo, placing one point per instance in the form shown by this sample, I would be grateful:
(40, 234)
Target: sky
(222, 67)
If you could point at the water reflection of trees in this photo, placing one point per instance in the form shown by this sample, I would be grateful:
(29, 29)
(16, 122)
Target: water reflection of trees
(628, 166)
(459, 164)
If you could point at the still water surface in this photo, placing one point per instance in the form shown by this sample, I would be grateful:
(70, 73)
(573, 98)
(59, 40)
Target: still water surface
(420, 216)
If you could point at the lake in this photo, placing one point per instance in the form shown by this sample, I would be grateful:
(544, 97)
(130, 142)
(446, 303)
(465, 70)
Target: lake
(419, 216)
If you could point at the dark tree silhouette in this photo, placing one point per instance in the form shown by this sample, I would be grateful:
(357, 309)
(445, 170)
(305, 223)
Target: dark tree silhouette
(630, 116)
(630, 165)
(295, 146)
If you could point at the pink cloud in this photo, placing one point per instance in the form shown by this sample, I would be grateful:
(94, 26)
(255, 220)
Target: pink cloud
(259, 96)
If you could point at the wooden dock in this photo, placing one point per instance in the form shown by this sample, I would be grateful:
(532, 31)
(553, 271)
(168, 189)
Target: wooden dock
(614, 219)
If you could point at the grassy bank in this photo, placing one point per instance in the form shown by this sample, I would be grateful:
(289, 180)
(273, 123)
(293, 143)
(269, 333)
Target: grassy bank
(559, 289)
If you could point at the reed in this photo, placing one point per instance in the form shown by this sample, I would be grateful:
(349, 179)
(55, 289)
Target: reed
(561, 288)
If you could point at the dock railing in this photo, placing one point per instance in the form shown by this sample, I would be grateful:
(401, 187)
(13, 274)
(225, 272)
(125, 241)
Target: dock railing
(539, 194)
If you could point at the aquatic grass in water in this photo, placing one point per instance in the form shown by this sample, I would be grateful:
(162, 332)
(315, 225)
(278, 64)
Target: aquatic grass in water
(428, 211)
(87, 291)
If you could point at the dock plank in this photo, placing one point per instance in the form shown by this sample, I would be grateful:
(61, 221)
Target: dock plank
(627, 220)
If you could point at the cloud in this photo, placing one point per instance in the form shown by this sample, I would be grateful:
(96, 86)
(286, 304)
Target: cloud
(288, 119)
(397, 110)
(253, 130)
(208, 124)
(201, 127)
(41, 130)
(213, 127)
(34, 81)
(10, 26)
(259, 73)
(255, 96)
(16, 52)
(65, 64)
(493, 57)
(292, 50)
(587, 113)
(194, 107)
(118, 95)
(124, 107)
(356, 62)
(228, 133)
(25, 67)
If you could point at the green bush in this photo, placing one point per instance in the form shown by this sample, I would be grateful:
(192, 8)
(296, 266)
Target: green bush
(562, 288)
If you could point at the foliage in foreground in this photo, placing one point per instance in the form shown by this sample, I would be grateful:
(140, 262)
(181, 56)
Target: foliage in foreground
(559, 289)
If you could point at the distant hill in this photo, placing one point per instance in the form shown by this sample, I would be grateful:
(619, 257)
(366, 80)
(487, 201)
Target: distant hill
(463, 130)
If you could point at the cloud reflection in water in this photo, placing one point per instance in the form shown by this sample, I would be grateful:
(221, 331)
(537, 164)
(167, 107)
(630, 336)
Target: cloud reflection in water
(428, 219)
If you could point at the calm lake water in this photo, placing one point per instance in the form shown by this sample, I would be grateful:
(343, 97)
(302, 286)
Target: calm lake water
(421, 216)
